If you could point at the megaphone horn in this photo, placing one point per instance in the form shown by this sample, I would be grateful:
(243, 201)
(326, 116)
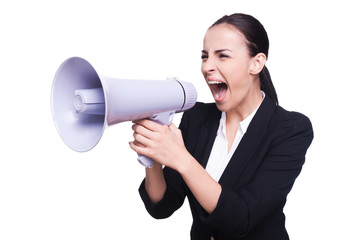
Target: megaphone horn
(84, 103)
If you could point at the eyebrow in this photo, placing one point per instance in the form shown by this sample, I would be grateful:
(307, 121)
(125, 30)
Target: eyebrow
(217, 51)
(222, 50)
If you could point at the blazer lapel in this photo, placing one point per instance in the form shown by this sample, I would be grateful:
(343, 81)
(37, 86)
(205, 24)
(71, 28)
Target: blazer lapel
(248, 143)
(207, 137)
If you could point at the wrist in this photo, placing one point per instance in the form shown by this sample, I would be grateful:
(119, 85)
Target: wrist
(185, 164)
(155, 167)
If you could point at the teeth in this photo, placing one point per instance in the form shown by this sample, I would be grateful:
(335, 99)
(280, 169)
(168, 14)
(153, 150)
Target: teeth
(214, 82)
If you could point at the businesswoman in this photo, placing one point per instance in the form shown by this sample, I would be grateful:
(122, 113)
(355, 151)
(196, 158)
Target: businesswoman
(236, 159)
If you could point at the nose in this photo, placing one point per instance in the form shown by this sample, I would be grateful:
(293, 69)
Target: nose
(208, 66)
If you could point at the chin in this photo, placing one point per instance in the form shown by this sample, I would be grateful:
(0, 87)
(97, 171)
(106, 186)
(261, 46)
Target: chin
(221, 106)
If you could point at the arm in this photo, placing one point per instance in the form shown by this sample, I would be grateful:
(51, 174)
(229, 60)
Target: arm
(165, 145)
(205, 189)
(244, 206)
(155, 184)
(172, 198)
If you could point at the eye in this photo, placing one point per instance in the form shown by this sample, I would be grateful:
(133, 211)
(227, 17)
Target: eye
(204, 57)
(223, 55)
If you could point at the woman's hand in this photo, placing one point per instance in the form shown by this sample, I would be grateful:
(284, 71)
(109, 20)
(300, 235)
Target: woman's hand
(164, 144)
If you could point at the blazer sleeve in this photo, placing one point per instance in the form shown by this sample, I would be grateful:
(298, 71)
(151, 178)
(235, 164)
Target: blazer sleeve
(241, 209)
(172, 200)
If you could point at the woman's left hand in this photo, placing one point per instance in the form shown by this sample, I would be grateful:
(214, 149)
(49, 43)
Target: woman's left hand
(164, 144)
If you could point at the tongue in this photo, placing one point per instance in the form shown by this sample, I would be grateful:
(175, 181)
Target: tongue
(220, 91)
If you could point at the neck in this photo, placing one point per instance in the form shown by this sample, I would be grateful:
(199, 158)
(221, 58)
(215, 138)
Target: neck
(245, 108)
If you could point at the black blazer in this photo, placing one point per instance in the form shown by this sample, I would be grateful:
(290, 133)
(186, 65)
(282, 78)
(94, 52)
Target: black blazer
(256, 181)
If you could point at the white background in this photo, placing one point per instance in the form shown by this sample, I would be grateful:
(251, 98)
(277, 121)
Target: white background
(48, 191)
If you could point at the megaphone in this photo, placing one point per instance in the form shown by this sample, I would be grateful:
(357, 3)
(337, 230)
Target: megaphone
(85, 103)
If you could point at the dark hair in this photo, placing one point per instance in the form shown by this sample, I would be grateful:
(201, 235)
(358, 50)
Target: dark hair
(258, 42)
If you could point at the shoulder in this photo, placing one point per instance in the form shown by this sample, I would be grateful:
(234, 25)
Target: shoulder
(291, 125)
(273, 119)
(291, 118)
(279, 124)
(287, 134)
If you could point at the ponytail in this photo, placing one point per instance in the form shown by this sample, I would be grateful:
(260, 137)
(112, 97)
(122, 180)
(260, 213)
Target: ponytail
(267, 86)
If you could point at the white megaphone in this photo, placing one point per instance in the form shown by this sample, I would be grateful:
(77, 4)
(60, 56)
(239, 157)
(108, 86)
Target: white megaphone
(84, 103)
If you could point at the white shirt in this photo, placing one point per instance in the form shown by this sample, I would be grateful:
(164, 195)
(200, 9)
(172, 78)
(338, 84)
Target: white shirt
(219, 156)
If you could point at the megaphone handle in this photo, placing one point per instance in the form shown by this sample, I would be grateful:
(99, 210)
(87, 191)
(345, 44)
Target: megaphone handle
(164, 118)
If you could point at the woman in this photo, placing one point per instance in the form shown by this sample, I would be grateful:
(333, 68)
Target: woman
(236, 159)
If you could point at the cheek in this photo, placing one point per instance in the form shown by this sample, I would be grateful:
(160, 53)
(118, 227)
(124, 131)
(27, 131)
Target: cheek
(238, 79)
(235, 72)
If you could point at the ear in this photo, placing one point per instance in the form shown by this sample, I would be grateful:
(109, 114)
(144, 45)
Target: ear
(257, 63)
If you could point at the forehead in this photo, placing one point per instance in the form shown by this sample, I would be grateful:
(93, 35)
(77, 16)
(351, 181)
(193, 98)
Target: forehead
(223, 36)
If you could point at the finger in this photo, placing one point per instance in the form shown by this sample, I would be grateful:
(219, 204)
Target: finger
(139, 150)
(141, 140)
(140, 129)
(151, 125)
(135, 147)
(138, 144)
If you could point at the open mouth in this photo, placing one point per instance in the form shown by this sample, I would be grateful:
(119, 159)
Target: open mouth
(218, 89)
